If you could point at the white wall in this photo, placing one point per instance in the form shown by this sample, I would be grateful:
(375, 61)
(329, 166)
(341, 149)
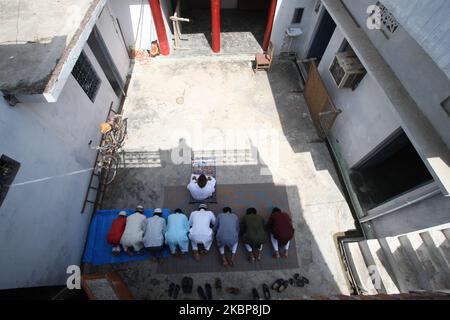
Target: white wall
(42, 229)
(427, 84)
(367, 118)
(283, 18)
(137, 22)
(117, 48)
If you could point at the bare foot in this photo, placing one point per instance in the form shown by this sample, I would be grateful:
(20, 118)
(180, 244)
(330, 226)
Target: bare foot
(276, 255)
(284, 255)
(196, 256)
(224, 261)
(251, 257)
(231, 261)
(258, 255)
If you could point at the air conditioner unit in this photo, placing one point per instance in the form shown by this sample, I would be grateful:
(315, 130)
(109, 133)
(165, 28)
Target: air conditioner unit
(346, 70)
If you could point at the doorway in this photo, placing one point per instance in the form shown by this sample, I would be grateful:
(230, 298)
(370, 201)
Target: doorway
(322, 37)
(243, 23)
(101, 53)
(394, 169)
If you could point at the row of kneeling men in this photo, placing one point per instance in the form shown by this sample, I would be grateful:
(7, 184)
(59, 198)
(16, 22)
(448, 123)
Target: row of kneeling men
(136, 233)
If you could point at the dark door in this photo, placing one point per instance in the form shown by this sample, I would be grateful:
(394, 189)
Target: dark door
(322, 37)
(98, 47)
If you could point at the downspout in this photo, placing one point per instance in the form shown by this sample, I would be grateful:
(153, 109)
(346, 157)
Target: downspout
(158, 20)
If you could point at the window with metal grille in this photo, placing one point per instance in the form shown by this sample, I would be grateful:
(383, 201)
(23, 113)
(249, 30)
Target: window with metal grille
(8, 171)
(87, 78)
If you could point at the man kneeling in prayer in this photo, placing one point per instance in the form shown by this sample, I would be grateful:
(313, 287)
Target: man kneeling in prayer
(201, 232)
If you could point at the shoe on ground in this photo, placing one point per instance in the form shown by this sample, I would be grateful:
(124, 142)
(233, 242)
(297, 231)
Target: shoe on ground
(201, 293)
(266, 291)
(255, 294)
(218, 284)
(171, 289)
(187, 285)
(176, 291)
(208, 289)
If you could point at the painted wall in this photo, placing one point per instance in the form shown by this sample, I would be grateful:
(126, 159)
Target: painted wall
(367, 117)
(428, 22)
(425, 214)
(42, 230)
(137, 22)
(283, 18)
(110, 31)
(427, 84)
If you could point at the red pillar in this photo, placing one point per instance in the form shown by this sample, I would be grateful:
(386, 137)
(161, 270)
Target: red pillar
(272, 8)
(215, 15)
(160, 28)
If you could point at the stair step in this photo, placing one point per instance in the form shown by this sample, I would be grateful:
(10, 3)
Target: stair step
(422, 258)
(359, 268)
(439, 246)
(374, 256)
(405, 273)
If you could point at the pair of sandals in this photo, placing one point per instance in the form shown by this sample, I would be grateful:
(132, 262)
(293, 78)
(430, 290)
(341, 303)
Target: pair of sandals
(187, 285)
(205, 294)
(280, 285)
(266, 292)
(299, 281)
(174, 290)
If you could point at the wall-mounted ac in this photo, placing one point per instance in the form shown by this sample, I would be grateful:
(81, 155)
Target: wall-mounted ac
(346, 70)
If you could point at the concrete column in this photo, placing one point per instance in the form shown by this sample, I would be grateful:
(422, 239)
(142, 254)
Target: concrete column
(158, 20)
(268, 34)
(215, 16)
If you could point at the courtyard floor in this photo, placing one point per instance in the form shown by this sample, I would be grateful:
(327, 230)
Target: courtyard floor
(259, 129)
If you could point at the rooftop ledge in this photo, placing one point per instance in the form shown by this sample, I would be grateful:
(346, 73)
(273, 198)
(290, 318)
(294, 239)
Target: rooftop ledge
(41, 44)
(430, 146)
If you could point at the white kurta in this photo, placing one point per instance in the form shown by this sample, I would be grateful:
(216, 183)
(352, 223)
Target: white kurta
(201, 231)
(202, 193)
(134, 232)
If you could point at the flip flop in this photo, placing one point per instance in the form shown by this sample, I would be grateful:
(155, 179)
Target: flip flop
(299, 283)
(255, 294)
(266, 291)
(201, 293)
(208, 291)
(305, 280)
(283, 286)
(187, 284)
(234, 291)
(171, 289)
(276, 285)
(176, 291)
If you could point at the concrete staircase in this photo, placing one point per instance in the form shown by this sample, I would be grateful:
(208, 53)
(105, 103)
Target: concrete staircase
(415, 262)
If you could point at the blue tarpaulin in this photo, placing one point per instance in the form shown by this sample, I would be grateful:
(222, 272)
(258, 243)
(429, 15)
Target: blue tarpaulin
(98, 251)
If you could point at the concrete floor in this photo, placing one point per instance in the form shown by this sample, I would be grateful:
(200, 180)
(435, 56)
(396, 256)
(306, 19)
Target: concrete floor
(222, 105)
(242, 31)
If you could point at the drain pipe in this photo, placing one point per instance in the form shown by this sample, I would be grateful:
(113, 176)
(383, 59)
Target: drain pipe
(158, 20)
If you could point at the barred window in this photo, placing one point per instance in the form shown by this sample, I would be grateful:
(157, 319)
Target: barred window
(87, 78)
